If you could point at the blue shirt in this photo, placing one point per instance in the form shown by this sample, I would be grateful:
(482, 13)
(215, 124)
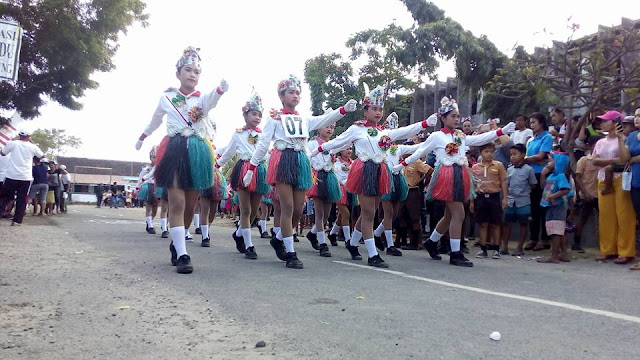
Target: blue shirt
(634, 149)
(541, 142)
(555, 183)
(39, 173)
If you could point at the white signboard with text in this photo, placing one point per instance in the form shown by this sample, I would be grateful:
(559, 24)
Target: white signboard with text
(10, 41)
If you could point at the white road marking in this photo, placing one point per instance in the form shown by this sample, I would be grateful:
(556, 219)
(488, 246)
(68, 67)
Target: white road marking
(609, 314)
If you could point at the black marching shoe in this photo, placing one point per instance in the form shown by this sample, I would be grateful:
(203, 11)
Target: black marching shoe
(379, 243)
(324, 250)
(457, 259)
(205, 242)
(165, 235)
(295, 238)
(265, 235)
(151, 230)
(393, 251)
(239, 243)
(377, 261)
(313, 239)
(273, 233)
(251, 253)
(353, 250)
(198, 231)
(432, 248)
(278, 246)
(183, 266)
(174, 254)
(293, 262)
(333, 239)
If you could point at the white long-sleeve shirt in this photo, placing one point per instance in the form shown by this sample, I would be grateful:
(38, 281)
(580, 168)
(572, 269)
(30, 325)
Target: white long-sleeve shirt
(193, 109)
(274, 130)
(450, 147)
(243, 143)
(146, 176)
(395, 153)
(341, 169)
(371, 142)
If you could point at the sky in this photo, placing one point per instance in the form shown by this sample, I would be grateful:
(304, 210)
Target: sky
(256, 43)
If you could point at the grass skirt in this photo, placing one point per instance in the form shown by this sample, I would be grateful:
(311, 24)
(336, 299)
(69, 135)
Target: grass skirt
(289, 167)
(451, 183)
(273, 195)
(267, 201)
(369, 178)
(161, 193)
(189, 160)
(218, 191)
(147, 194)
(326, 186)
(258, 181)
(400, 189)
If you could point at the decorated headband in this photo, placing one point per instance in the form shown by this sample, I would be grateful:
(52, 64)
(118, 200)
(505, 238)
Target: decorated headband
(189, 56)
(447, 105)
(254, 103)
(153, 152)
(493, 121)
(466, 118)
(374, 97)
(289, 82)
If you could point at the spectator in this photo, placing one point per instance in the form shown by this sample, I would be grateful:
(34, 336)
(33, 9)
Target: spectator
(627, 128)
(114, 195)
(587, 186)
(559, 128)
(617, 237)
(492, 182)
(99, 190)
(522, 133)
(19, 174)
(39, 187)
(632, 152)
(467, 126)
(556, 187)
(521, 179)
(55, 184)
(4, 165)
(538, 149)
(415, 174)
(65, 181)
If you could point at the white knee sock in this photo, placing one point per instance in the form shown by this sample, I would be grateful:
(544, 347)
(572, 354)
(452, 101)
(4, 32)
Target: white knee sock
(378, 231)
(205, 231)
(455, 244)
(276, 230)
(279, 234)
(389, 235)
(371, 247)
(196, 220)
(263, 225)
(238, 232)
(246, 234)
(314, 230)
(149, 221)
(321, 239)
(347, 232)
(177, 237)
(187, 233)
(435, 236)
(288, 244)
(334, 229)
(355, 238)
(163, 224)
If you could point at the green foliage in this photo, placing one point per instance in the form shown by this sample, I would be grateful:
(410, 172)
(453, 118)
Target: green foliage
(64, 42)
(54, 142)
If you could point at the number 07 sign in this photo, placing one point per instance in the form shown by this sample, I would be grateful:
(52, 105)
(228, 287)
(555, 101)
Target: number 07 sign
(10, 41)
(294, 126)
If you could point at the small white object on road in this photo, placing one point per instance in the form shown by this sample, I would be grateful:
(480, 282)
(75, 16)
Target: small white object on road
(495, 336)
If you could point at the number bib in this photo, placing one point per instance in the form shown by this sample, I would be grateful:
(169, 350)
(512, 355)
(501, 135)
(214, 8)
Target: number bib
(294, 126)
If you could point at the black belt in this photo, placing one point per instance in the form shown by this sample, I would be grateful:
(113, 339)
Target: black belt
(489, 195)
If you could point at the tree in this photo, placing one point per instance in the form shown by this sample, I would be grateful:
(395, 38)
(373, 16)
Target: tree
(54, 142)
(64, 42)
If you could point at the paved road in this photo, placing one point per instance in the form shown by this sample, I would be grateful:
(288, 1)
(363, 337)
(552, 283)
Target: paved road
(337, 308)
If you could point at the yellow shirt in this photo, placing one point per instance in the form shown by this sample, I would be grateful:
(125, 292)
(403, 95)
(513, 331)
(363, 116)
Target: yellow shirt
(413, 173)
(490, 177)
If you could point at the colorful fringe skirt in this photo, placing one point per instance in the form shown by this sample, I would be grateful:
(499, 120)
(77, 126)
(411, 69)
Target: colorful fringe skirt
(400, 189)
(267, 200)
(258, 181)
(451, 183)
(347, 199)
(218, 191)
(272, 195)
(161, 193)
(325, 187)
(190, 160)
(290, 167)
(147, 194)
(369, 178)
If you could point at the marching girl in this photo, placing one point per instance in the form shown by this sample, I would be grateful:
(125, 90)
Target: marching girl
(391, 201)
(243, 143)
(209, 201)
(163, 197)
(325, 191)
(451, 181)
(369, 176)
(147, 191)
(185, 157)
(289, 168)
(341, 168)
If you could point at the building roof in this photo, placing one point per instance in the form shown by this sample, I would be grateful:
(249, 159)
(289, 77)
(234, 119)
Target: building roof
(115, 168)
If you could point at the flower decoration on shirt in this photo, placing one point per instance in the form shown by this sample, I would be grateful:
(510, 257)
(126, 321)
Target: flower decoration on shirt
(179, 100)
(372, 132)
(385, 143)
(452, 149)
(274, 114)
(345, 167)
(393, 149)
(375, 97)
(196, 114)
(189, 56)
(153, 152)
(253, 104)
(290, 82)
(253, 139)
(447, 105)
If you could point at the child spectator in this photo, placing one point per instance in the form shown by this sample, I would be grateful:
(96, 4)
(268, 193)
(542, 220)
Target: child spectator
(520, 180)
(492, 182)
(556, 187)
(587, 186)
